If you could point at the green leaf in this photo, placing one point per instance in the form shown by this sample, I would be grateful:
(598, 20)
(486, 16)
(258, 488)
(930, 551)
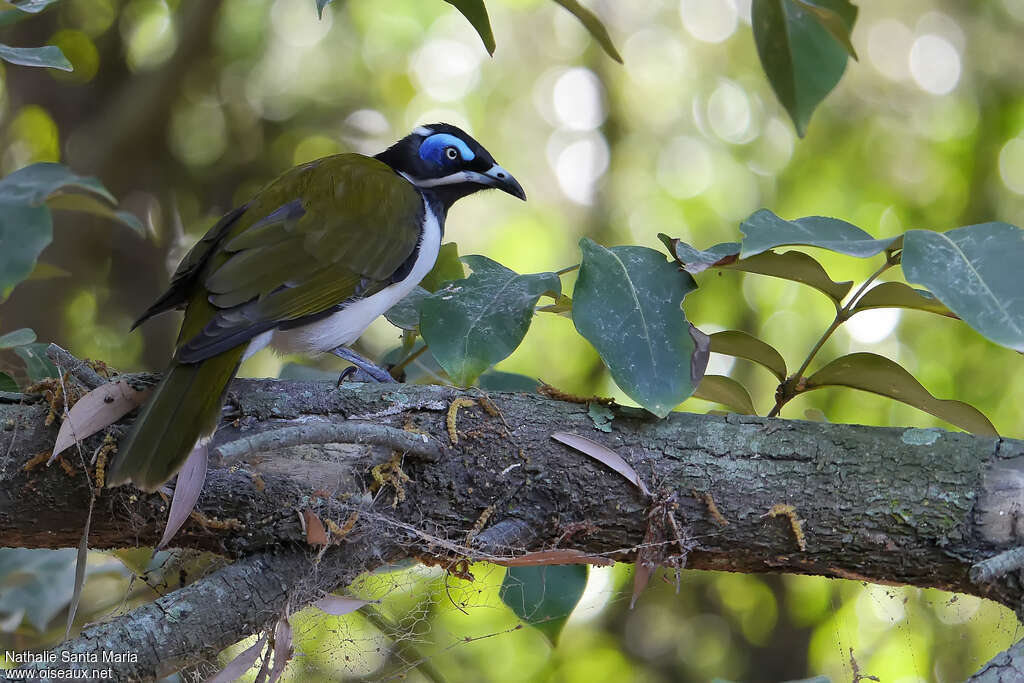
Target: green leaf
(24, 231)
(899, 295)
(593, 25)
(36, 362)
(320, 4)
(792, 265)
(422, 370)
(90, 204)
(764, 230)
(726, 391)
(447, 268)
(795, 266)
(32, 6)
(48, 56)
(36, 581)
(695, 260)
(495, 380)
(544, 596)
(476, 13)
(627, 304)
(976, 271)
(34, 184)
(406, 313)
(7, 383)
(17, 338)
(800, 56)
(879, 375)
(473, 323)
(743, 345)
(834, 22)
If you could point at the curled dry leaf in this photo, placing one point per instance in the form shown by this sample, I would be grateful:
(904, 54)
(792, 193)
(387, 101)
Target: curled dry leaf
(186, 491)
(602, 454)
(338, 606)
(282, 648)
(315, 532)
(556, 557)
(101, 407)
(641, 575)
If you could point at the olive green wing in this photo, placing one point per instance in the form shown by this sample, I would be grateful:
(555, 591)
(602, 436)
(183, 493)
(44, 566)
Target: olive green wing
(184, 278)
(322, 235)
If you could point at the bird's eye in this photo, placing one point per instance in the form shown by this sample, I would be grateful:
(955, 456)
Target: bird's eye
(451, 153)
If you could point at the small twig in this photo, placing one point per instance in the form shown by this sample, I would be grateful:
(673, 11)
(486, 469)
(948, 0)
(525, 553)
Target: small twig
(395, 369)
(567, 269)
(1005, 562)
(79, 369)
(793, 385)
(328, 432)
(397, 408)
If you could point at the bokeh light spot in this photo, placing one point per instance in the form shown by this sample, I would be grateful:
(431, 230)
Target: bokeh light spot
(710, 21)
(685, 167)
(888, 50)
(873, 325)
(579, 165)
(934, 64)
(81, 52)
(446, 69)
(729, 113)
(578, 99)
(149, 33)
(1011, 165)
(296, 25)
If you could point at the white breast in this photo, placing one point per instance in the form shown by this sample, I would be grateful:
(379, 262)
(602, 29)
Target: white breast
(345, 326)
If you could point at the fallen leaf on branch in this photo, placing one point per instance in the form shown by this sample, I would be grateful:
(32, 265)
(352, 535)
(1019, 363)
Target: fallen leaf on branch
(101, 407)
(602, 454)
(315, 532)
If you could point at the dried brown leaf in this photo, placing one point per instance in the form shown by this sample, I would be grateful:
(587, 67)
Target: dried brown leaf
(186, 492)
(282, 648)
(315, 532)
(604, 455)
(101, 407)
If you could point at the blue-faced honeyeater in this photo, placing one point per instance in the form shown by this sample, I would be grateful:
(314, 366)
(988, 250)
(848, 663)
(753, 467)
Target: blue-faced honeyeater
(304, 266)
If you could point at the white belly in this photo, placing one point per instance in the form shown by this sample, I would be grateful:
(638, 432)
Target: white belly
(346, 326)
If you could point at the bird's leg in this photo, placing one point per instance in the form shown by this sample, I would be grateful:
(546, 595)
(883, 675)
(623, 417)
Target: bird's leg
(368, 367)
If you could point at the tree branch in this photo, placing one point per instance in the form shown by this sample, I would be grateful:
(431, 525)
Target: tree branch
(888, 505)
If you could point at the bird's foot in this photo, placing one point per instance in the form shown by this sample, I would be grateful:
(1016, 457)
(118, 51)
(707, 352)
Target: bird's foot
(361, 368)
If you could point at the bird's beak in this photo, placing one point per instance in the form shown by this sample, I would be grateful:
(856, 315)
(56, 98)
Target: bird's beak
(498, 178)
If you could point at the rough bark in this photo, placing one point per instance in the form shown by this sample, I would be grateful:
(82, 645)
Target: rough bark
(888, 505)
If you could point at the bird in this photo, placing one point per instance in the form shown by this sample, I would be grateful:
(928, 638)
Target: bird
(304, 266)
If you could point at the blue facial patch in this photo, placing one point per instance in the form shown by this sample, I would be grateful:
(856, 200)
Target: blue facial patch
(433, 148)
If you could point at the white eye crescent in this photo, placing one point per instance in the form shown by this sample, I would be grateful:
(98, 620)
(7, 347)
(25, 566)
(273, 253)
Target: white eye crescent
(451, 153)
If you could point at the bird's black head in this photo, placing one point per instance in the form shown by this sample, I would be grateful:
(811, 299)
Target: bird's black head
(447, 163)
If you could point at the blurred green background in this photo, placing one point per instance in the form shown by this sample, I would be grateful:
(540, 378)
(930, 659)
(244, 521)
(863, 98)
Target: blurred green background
(185, 109)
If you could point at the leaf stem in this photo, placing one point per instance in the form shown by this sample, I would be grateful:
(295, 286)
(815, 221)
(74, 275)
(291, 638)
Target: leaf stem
(567, 269)
(408, 359)
(792, 386)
